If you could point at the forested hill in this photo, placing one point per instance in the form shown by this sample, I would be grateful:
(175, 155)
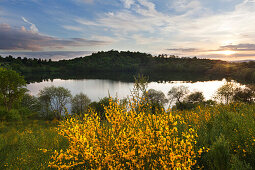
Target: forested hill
(112, 63)
(136, 62)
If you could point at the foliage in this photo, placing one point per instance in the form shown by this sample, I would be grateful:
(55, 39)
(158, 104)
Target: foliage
(54, 100)
(195, 97)
(157, 97)
(128, 140)
(228, 131)
(28, 144)
(30, 105)
(134, 138)
(115, 65)
(12, 88)
(246, 95)
(140, 86)
(98, 107)
(80, 103)
(178, 93)
(226, 92)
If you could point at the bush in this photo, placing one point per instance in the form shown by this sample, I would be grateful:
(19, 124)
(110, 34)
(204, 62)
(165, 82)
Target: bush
(127, 140)
(227, 130)
(3, 113)
(14, 115)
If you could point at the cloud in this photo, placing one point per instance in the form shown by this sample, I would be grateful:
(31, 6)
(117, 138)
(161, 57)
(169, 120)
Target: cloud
(72, 28)
(22, 39)
(183, 49)
(185, 5)
(239, 47)
(128, 3)
(54, 55)
(33, 28)
(140, 17)
(85, 1)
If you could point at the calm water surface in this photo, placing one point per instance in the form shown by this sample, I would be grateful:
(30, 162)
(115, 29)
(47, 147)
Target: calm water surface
(96, 89)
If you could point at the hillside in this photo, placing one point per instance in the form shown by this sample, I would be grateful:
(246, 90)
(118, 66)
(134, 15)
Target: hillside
(124, 64)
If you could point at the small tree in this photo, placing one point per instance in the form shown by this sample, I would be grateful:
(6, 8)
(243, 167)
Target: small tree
(31, 104)
(140, 86)
(178, 93)
(246, 95)
(12, 87)
(195, 97)
(157, 97)
(54, 100)
(80, 103)
(226, 92)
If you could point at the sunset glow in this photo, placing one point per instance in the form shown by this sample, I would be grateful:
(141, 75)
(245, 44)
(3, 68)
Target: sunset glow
(226, 52)
(74, 28)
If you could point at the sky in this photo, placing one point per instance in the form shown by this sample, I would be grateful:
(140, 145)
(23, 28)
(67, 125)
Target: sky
(63, 29)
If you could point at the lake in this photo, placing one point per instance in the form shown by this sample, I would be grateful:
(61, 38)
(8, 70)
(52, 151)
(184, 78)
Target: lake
(96, 89)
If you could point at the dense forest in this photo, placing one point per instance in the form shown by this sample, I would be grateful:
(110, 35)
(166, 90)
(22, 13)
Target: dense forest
(124, 64)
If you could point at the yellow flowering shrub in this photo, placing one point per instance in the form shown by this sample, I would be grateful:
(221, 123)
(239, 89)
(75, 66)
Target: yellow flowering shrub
(126, 140)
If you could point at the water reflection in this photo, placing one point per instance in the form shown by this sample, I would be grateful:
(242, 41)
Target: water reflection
(96, 89)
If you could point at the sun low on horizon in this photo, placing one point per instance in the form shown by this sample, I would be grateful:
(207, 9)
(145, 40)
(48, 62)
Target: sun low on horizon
(226, 53)
(73, 28)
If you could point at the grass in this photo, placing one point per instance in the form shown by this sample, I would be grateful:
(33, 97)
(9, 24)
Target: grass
(227, 133)
(28, 144)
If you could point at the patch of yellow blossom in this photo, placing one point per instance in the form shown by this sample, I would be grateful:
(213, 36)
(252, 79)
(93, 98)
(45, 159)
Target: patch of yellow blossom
(130, 138)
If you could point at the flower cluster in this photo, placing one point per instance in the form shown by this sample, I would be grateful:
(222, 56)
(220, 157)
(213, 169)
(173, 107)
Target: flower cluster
(129, 138)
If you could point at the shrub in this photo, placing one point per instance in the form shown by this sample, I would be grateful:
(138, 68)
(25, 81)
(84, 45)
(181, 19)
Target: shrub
(227, 130)
(14, 115)
(3, 113)
(127, 140)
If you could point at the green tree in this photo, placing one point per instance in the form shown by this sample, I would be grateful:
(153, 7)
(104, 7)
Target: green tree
(140, 86)
(80, 103)
(226, 92)
(195, 97)
(244, 95)
(54, 100)
(31, 102)
(12, 88)
(157, 97)
(178, 93)
(99, 106)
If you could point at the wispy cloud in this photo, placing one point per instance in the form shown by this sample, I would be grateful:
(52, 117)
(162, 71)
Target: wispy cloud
(22, 39)
(182, 27)
(183, 49)
(239, 47)
(85, 1)
(72, 28)
(33, 28)
(128, 3)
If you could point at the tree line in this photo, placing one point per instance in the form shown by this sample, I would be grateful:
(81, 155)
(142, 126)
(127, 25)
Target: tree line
(125, 64)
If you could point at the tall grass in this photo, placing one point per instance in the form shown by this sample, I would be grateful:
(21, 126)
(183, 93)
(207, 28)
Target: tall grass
(28, 144)
(228, 131)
